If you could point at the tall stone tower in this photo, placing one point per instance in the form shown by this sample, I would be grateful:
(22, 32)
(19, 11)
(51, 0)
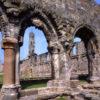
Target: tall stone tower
(31, 44)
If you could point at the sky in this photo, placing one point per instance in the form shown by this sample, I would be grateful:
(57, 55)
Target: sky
(40, 42)
(97, 1)
(1, 50)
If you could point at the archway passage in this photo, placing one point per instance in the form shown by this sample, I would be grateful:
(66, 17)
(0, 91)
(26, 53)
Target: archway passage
(34, 42)
(85, 52)
(50, 33)
(35, 63)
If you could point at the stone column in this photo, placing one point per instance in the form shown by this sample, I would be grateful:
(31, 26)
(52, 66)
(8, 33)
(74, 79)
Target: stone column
(55, 62)
(55, 82)
(9, 88)
(94, 74)
(17, 73)
(59, 61)
(65, 66)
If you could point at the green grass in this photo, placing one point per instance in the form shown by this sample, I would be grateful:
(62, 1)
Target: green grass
(62, 98)
(28, 84)
(1, 78)
(33, 84)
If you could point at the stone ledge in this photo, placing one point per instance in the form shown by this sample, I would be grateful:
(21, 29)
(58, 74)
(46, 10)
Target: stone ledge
(59, 83)
(9, 92)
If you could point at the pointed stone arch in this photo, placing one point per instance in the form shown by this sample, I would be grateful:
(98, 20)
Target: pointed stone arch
(87, 34)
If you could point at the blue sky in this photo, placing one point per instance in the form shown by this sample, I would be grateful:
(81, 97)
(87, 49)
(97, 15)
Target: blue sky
(1, 50)
(40, 42)
(97, 1)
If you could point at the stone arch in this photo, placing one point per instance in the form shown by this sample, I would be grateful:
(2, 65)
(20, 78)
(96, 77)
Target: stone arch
(88, 35)
(41, 21)
(79, 26)
(86, 28)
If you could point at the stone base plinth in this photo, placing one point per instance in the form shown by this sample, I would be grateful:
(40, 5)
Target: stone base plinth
(59, 84)
(9, 92)
(18, 86)
(94, 79)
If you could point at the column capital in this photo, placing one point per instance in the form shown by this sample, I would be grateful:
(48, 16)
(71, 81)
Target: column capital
(9, 42)
(54, 49)
(11, 30)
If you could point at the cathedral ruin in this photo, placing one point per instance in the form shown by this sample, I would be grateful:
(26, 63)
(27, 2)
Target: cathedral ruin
(61, 21)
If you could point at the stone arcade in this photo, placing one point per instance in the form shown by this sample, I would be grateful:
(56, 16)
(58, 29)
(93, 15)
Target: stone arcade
(61, 21)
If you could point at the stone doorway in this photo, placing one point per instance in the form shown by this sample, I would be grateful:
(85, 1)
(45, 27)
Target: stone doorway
(86, 52)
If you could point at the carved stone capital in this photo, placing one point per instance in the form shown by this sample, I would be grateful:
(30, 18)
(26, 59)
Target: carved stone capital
(54, 50)
(54, 47)
(11, 31)
(9, 42)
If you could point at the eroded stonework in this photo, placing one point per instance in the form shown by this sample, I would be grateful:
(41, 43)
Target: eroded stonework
(61, 21)
(36, 67)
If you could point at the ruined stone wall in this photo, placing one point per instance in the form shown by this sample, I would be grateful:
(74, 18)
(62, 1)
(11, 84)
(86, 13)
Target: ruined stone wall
(41, 69)
(39, 66)
(79, 61)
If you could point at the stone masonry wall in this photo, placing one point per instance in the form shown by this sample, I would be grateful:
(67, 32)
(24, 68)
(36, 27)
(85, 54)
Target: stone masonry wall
(41, 69)
(39, 66)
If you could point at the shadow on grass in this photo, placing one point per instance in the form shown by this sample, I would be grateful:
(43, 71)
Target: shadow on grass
(83, 78)
(28, 84)
(33, 84)
(0, 86)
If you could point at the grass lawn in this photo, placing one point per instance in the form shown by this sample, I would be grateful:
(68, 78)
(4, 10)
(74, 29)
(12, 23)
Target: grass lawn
(1, 78)
(28, 84)
(62, 98)
(33, 84)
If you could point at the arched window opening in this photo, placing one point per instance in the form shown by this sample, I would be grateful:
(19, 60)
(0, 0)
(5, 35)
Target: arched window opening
(85, 50)
(88, 37)
(34, 55)
(76, 42)
(39, 44)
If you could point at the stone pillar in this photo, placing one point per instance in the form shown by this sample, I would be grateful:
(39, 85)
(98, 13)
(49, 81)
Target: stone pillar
(9, 89)
(55, 62)
(17, 73)
(94, 75)
(59, 64)
(65, 66)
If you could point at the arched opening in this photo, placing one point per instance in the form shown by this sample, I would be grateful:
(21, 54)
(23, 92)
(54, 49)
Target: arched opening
(76, 42)
(1, 61)
(35, 59)
(84, 52)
